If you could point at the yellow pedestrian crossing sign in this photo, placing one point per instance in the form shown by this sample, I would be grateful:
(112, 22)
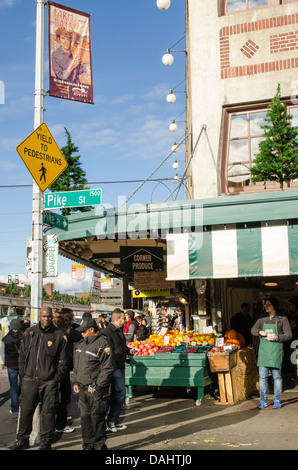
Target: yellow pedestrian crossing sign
(42, 157)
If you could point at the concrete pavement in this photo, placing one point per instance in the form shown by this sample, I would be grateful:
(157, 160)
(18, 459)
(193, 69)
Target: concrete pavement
(169, 421)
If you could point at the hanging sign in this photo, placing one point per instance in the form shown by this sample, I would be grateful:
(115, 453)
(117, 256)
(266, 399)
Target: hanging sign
(141, 259)
(70, 54)
(50, 259)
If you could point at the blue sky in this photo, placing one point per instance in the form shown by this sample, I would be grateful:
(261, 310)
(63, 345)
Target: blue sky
(123, 136)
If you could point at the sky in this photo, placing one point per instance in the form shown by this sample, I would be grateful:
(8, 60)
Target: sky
(123, 136)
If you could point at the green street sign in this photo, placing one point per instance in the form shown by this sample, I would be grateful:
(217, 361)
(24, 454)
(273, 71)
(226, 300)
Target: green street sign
(88, 197)
(55, 220)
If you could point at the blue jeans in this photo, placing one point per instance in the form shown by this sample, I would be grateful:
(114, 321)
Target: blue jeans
(15, 383)
(117, 398)
(277, 381)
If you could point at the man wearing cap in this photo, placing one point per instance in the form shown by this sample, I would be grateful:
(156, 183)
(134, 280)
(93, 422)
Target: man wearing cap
(94, 366)
(12, 343)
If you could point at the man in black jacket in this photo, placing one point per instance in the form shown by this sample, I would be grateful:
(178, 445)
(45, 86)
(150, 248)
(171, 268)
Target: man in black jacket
(94, 366)
(114, 332)
(43, 362)
(12, 343)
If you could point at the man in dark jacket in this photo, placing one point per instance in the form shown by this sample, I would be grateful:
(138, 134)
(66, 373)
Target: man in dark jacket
(94, 366)
(43, 362)
(114, 332)
(12, 342)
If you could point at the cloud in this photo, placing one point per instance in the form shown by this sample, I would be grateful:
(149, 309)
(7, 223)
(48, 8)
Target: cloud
(7, 165)
(63, 282)
(7, 3)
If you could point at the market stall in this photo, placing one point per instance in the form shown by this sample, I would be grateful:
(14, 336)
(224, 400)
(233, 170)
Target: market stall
(170, 359)
(191, 359)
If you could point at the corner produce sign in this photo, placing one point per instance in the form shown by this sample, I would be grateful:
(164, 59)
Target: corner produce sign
(42, 157)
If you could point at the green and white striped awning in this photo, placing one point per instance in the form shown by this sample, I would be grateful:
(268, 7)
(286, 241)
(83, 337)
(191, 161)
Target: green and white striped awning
(232, 251)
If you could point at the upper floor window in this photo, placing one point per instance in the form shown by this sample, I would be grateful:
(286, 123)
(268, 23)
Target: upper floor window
(242, 135)
(231, 6)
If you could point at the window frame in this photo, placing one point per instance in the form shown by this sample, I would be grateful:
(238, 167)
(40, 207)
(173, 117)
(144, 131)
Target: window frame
(228, 113)
(271, 3)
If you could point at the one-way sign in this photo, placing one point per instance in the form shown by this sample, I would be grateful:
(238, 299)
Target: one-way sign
(55, 220)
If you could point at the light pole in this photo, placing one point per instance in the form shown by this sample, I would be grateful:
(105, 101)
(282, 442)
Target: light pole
(37, 200)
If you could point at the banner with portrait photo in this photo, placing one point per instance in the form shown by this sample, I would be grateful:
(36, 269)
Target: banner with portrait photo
(70, 64)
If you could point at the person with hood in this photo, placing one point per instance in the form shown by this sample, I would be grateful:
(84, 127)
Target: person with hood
(12, 343)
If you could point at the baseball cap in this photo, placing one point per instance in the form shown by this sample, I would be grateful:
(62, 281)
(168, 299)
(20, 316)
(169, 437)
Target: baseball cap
(87, 323)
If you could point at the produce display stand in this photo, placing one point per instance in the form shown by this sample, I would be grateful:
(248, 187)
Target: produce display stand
(168, 370)
(223, 363)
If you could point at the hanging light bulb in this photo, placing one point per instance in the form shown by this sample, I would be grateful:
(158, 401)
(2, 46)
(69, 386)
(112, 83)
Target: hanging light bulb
(175, 149)
(171, 98)
(109, 265)
(176, 177)
(175, 165)
(167, 58)
(163, 4)
(173, 126)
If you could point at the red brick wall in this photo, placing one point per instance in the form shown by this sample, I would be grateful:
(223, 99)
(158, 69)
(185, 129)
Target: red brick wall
(280, 42)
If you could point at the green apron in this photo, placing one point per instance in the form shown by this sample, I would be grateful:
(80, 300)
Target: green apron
(270, 352)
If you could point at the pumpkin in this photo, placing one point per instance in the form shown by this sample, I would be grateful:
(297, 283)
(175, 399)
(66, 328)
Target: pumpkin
(235, 342)
(234, 335)
(231, 334)
(241, 339)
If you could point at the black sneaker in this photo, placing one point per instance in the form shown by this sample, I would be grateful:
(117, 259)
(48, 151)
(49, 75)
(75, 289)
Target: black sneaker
(45, 446)
(19, 445)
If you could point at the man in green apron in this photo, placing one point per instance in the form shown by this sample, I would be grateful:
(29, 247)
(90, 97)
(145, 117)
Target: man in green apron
(273, 330)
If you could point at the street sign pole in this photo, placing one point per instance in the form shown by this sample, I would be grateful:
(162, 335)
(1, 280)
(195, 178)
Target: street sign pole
(37, 203)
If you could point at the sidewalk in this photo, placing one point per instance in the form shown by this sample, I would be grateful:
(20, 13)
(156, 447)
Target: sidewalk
(169, 421)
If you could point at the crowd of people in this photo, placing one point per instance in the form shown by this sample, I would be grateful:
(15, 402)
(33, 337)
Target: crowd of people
(47, 361)
(41, 358)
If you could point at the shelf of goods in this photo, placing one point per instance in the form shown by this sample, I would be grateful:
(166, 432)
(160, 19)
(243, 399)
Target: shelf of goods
(172, 360)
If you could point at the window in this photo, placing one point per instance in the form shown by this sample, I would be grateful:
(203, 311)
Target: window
(232, 6)
(242, 135)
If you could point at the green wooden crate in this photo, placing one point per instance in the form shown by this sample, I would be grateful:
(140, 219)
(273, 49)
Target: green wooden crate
(168, 370)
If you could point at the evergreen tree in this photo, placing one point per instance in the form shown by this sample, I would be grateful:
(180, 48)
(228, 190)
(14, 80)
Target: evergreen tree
(73, 177)
(277, 159)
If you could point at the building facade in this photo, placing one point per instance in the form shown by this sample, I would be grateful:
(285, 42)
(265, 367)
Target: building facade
(238, 51)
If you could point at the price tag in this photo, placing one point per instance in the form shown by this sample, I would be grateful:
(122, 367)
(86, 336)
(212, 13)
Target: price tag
(163, 331)
(166, 340)
(219, 342)
(208, 330)
(187, 340)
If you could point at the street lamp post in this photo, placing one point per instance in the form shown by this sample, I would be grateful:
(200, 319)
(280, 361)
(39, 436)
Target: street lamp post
(37, 201)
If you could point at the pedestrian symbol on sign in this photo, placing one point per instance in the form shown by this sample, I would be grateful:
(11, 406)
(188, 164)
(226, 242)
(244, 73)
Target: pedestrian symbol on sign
(43, 173)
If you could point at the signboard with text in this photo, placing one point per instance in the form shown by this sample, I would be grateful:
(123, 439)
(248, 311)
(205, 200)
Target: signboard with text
(70, 61)
(87, 197)
(42, 157)
(141, 259)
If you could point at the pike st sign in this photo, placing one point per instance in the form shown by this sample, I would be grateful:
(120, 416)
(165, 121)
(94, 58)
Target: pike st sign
(88, 197)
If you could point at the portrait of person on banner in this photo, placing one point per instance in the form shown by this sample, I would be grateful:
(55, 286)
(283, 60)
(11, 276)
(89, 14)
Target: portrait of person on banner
(70, 54)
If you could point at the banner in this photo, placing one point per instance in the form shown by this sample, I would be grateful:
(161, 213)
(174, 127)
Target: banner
(50, 255)
(70, 65)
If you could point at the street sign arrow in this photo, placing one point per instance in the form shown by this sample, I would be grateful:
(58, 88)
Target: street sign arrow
(55, 220)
